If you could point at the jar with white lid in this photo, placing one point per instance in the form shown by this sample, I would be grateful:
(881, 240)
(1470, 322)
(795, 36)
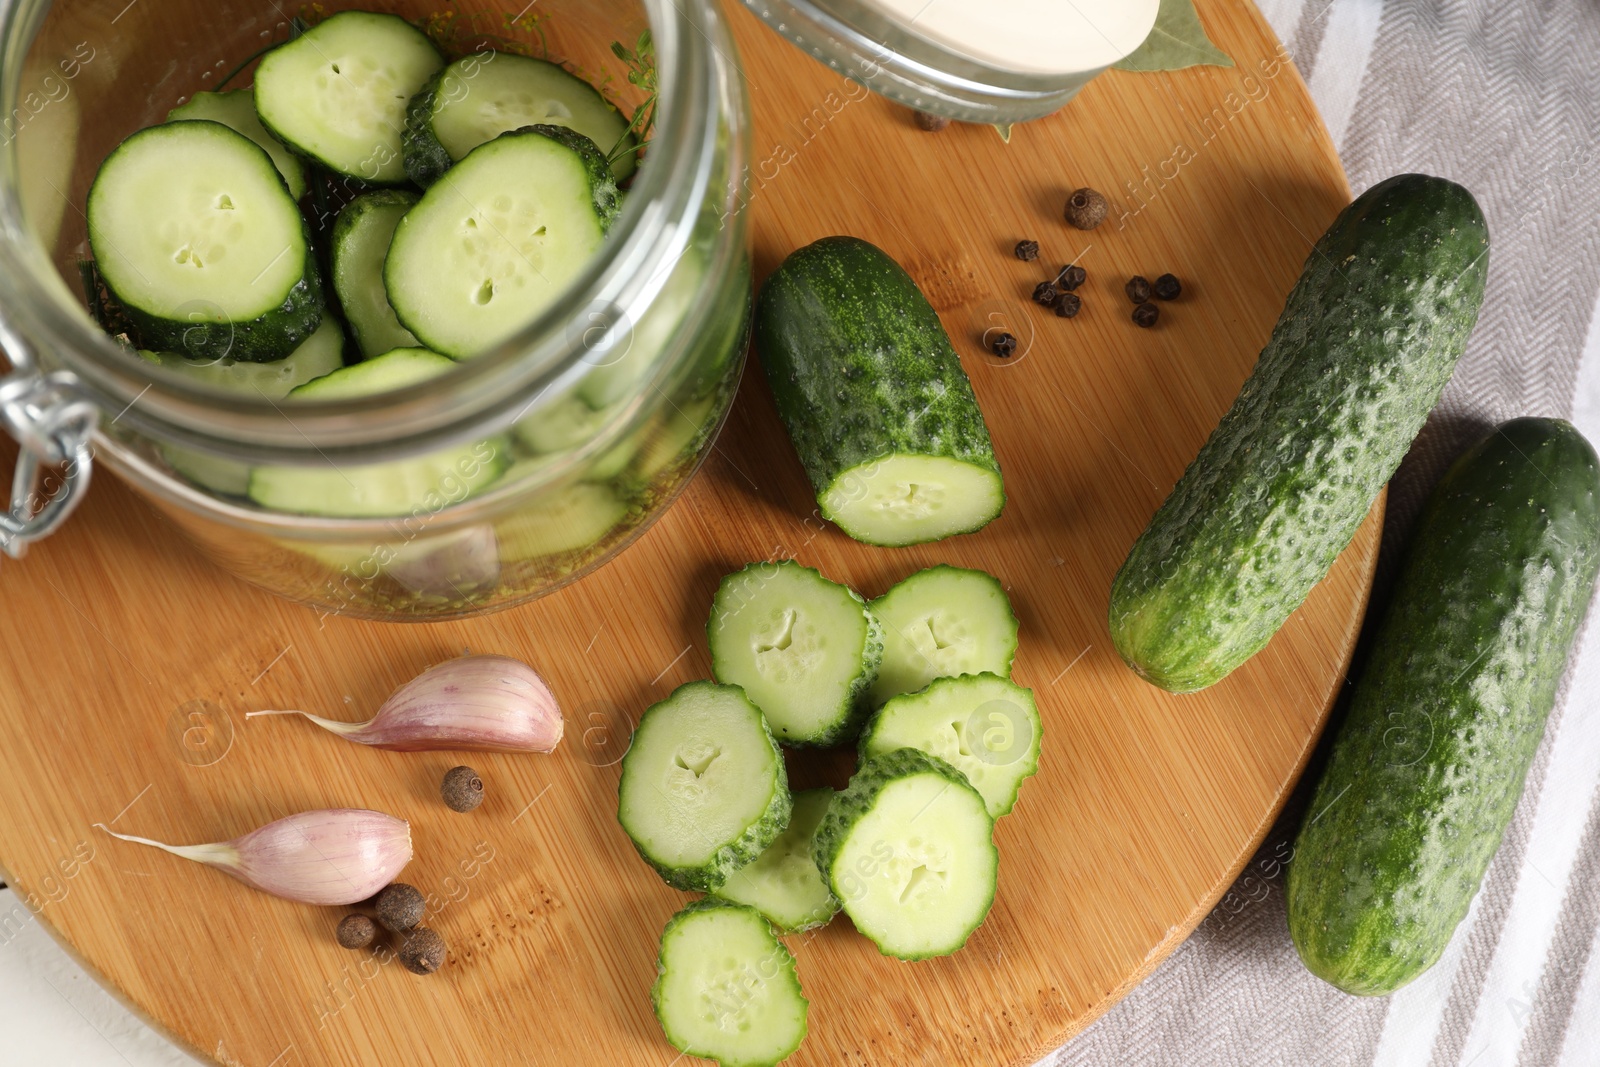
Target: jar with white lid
(991, 61)
(594, 415)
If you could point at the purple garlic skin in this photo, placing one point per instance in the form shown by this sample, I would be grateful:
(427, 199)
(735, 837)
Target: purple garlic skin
(485, 703)
(332, 857)
(481, 703)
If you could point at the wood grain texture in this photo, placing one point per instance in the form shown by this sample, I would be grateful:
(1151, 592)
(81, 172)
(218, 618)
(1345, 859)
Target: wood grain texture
(1145, 806)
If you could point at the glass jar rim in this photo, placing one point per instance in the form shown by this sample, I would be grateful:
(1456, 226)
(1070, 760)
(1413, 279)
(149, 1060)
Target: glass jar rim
(482, 395)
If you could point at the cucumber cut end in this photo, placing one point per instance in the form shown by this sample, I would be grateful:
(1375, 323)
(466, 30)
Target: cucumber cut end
(943, 622)
(727, 989)
(983, 725)
(703, 788)
(910, 500)
(908, 850)
(803, 648)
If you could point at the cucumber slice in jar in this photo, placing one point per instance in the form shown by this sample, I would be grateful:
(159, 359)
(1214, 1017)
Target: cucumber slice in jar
(703, 789)
(236, 109)
(726, 989)
(480, 96)
(197, 237)
(338, 92)
(566, 424)
(981, 724)
(805, 650)
(939, 623)
(497, 239)
(783, 883)
(908, 850)
(360, 242)
(322, 353)
(567, 521)
(425, 484)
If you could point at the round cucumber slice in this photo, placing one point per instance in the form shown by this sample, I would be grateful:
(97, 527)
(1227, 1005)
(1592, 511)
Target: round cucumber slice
(570, 521)
(908, 849)
(726, 988)
(480, 96)
(804, 649)
(981, 724)
(498, 238)
(783, 883)
(338, 92)
(322, 353)
(908, 499)
(940, 623)
(357, 250)
(194, 232)
(703, 789)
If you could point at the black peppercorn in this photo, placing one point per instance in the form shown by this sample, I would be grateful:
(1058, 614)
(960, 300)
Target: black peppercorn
(1027, 251)
(423, 951)
(1003, 345)
(356, 931)
(399, 907)
(1138, 289)
(931, 123)
(1046, 293)
(1167, 287)
(1068, 305)
(462, 789)
(1071, 277)
(1146, 314)
(1086, 209)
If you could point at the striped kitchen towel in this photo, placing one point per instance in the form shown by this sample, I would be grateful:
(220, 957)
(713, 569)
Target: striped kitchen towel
(1502, 96)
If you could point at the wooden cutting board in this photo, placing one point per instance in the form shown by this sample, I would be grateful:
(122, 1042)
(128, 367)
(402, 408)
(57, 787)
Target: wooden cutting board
(129, 662)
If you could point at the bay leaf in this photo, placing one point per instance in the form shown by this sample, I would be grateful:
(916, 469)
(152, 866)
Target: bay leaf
(1177, 41)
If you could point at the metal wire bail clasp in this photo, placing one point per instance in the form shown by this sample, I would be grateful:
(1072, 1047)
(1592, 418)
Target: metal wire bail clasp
(53, 424)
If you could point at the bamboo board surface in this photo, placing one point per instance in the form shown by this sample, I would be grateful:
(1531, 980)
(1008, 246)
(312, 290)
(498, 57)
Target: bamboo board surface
(1145, 805)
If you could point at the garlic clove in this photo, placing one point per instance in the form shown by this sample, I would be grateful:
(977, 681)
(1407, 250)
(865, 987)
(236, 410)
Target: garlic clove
(481, 703)
(331, 857)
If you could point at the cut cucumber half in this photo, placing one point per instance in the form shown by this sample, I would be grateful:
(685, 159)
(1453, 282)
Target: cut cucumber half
(197, 237)
(783, 883)
(480, 96)
(338, 92)
(321, 353)
(357, 250)
(726, 989)
(703, 790)
(940, 623)
(497, 239)
(981, 724)
(419, 484)
(236, 109)
(908, 849)
(805, 650)
(908, 500)
(568, 521)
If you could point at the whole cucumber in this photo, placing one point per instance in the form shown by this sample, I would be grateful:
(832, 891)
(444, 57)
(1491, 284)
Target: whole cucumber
(1427, 769)
(1367, 340)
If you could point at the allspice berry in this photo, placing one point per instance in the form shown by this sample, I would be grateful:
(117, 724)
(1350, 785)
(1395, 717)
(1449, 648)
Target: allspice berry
(1086, 209)
(1145, 315)
(931, 123)
(1138, 289)
(356, 931)
(399, 907)
(423, 951)
(462, 789)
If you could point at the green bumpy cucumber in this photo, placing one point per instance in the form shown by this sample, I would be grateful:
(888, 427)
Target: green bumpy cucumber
(874, 397)
(1365, 344)
(1427, 769)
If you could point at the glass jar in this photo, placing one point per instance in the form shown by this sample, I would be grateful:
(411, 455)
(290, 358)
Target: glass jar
(990, 63)
(542, 457)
